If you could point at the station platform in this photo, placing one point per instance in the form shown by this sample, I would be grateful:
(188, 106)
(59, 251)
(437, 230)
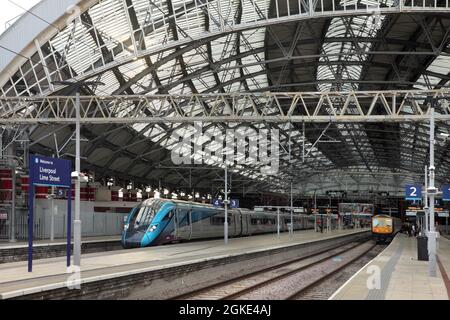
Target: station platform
(57, 242)
(403, 276)
(50, 274)
(18, 251)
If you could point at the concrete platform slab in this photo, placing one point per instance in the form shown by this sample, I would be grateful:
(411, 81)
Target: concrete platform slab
(402, 275)
(4, 245)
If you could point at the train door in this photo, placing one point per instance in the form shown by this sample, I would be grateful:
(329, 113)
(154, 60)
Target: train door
(246, 221)
(175, 223)
(237, 223)
(189, 222)
(240, 222)
(184, 223)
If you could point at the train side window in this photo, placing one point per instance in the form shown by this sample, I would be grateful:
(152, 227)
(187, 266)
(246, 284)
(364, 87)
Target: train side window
(219, 220)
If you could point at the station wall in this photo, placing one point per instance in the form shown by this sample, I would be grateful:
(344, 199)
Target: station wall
(97, 218)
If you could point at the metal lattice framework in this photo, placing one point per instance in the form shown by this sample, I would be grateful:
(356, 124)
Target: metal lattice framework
(310, 107)
(363, 75)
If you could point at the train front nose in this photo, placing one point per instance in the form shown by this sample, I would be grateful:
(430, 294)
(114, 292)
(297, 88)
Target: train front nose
(132, 239)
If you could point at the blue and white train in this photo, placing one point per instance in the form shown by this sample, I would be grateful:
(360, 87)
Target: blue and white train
(160, 221)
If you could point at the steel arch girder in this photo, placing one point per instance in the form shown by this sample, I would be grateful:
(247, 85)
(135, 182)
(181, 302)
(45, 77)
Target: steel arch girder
(214, 34)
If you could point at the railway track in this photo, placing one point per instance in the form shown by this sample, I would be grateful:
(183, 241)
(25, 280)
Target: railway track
(284, 281)
(325, 288)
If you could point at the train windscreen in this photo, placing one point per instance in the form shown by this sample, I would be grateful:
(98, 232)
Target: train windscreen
(143, 215)
(383, 222)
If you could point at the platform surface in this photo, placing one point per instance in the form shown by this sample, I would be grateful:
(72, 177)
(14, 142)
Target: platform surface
(51, 273)
(403, 276)
(56, 242)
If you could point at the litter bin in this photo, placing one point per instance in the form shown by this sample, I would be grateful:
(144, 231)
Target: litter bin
(422, 248)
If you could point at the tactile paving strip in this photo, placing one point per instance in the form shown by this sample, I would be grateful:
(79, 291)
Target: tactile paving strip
(386, 273)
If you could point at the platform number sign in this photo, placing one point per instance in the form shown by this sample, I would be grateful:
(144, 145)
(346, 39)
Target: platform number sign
(234, 203)
(413, 192)
(217, 203)
(62, 193)
(446, 192)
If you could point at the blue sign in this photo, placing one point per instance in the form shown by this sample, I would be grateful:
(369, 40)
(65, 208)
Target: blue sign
(46, 171)
(217, 203)
(234, 203)
(62, 193)
(446, 192)
(413, 192)
(50, 172)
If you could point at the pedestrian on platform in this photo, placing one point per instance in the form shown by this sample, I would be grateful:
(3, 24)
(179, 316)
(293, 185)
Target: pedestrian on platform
(437, 227)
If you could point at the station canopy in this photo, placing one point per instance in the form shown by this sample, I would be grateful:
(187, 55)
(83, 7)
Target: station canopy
(184, 48)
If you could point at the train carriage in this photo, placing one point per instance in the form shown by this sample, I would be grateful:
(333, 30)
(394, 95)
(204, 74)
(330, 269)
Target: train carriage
(160, 221)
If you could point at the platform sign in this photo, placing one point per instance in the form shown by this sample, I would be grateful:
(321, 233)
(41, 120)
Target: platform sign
(62, 193)
(50, 172)
(217, 203)
(413, 192)
(234, 203)
(53, 172)
(446, 192)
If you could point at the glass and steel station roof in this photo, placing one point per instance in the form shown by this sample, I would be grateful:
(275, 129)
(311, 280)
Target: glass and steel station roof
(184, 47)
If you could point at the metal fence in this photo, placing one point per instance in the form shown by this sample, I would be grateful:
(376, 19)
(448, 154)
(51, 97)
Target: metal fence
(93, 224)
(4, 230)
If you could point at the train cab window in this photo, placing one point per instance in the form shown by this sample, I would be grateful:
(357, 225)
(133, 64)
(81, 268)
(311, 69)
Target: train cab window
(142, 217)
(377, 222)
(169, 215)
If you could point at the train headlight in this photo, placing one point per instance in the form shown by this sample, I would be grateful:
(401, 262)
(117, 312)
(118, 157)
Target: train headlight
(125, 227)
(153, 228)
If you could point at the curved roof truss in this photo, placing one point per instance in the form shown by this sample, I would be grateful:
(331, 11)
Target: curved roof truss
(195, 48)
